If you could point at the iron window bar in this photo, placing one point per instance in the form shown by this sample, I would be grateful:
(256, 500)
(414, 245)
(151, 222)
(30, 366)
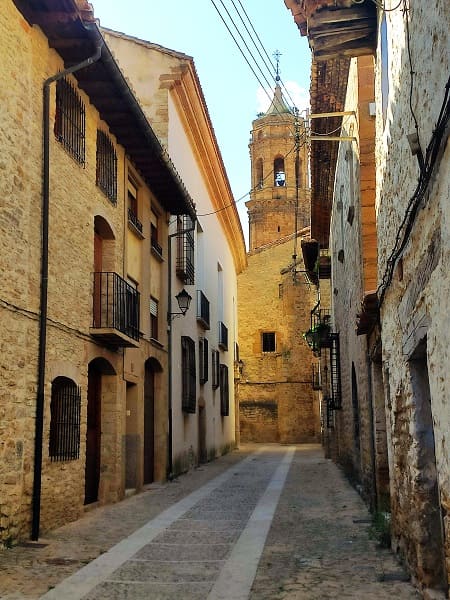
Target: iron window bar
(106, 173)
(70, 120)
(185, 250)
(65, 411)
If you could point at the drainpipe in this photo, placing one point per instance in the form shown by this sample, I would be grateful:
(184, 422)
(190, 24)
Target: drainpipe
(372, 420)
(39, 427)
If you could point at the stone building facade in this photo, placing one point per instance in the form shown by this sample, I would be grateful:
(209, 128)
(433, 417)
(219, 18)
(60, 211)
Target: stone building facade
(276, 399)
(169, 91)
(84, 405)
(398, 419)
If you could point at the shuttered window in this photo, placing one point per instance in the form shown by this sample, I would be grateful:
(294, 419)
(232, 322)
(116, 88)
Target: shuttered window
(215, 355)
(154, 329)
(224, 391)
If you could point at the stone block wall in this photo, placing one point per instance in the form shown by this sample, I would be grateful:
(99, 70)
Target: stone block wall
(414, 316)
(275, 394)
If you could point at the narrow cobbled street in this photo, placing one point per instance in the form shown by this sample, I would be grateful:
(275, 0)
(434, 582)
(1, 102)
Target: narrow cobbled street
(278, 522)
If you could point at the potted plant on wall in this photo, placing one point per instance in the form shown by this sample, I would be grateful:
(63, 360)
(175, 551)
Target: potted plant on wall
(318, 336)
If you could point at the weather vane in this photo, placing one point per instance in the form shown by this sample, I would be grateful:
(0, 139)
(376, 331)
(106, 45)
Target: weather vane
(276, 56)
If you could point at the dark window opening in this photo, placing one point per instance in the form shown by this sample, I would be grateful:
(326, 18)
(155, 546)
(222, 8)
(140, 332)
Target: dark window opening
(65, 409)
(268, 341)
(106, 173)
(215, 369)
(203, 347)
(185, 250)
(278, 170)
(188, 375)
(70, 120)
(224, 391)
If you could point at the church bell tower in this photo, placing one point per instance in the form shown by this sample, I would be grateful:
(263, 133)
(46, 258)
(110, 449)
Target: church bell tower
(279, 196)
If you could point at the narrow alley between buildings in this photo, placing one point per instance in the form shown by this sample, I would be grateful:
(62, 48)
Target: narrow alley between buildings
(263, 522)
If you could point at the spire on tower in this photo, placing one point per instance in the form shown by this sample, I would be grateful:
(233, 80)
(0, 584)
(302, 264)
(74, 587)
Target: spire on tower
(276, 56)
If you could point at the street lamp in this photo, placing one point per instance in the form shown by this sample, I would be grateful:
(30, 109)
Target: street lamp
(184, 301)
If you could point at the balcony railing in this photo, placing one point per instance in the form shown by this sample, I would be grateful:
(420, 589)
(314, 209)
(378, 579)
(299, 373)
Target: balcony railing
(115, 310)
(133, 219)
(156, 247)
(202, 309)
(223, 336)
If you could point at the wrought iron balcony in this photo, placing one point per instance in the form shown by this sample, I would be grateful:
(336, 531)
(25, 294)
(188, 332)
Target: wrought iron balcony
(156, 247)
(115, 311)
(202, 309)
(133, 219)
(223, 336)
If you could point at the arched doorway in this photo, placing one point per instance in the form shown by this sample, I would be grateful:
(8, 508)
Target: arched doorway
(152, 367)
(97, 368)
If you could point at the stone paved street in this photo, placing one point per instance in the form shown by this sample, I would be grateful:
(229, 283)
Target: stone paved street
(264, 522)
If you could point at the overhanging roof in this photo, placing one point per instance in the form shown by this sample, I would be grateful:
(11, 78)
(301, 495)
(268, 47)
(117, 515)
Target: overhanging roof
(336, 27)
(72, 31)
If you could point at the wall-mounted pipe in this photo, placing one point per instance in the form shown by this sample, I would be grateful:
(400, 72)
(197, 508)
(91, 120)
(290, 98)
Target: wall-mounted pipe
(40, 396)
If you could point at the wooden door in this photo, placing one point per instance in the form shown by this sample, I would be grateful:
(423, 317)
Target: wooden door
(93, 436)
(149, 425)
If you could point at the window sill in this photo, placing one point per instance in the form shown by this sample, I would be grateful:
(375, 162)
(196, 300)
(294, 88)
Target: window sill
(157, 254)
(135, 230)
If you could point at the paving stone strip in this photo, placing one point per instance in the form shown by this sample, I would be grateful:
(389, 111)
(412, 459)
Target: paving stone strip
(211, 537)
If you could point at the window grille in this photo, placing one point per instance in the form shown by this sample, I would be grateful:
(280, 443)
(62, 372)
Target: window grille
(65, 408)
(106, 177)
(154, 318)
(188, 375)
(224, 391)
(185, 250)
(268, 341)
(203, 360)
(215, 356)
(70, 120)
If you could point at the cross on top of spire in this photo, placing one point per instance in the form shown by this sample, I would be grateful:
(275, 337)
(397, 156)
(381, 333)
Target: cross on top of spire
(276, 56)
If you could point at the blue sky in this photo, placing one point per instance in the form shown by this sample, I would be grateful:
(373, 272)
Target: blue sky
(232, 92)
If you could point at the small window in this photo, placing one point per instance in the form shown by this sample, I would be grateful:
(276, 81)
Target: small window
(224, 391)
(154, 333)
(185, 249)
(106, 177)
(215, 356)
(188, 375)
(268, 341)
(65, 408)
(70, 120)
(133, 206)
(203, 347)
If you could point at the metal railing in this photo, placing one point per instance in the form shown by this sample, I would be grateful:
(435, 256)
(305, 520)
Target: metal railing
(116, 304)
(132, 218)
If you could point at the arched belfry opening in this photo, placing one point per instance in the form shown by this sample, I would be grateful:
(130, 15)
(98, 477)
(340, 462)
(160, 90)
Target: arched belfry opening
(279, 172)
